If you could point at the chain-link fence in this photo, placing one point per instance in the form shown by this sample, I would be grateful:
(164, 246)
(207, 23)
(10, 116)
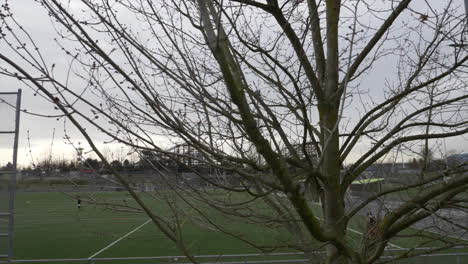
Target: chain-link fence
(9, 130)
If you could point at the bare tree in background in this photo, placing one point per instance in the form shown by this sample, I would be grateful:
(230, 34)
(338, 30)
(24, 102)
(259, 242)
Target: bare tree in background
(225, 76)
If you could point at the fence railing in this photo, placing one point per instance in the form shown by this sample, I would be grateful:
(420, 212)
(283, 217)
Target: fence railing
(287, 257)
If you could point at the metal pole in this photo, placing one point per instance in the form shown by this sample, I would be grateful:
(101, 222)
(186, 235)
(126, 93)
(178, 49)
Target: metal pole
(466, 8)
(13, 179)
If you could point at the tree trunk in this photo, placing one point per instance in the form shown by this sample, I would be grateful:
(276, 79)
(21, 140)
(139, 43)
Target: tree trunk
(330, 169)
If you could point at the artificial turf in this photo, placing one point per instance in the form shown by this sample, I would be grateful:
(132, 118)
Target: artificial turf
(48, 225)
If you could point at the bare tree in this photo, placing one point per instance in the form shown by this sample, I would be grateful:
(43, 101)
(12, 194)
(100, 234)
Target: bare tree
(282, 76)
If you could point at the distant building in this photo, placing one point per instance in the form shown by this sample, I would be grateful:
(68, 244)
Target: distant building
(186, 165)
(458, 160)
(303, 151)
(367, 185)
(401, 172)
(385, 170)
(182, 157)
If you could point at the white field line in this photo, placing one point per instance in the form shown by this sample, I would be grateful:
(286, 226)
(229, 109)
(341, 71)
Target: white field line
(79, 219)
(116, 241)
(357, 232)
(433, 232)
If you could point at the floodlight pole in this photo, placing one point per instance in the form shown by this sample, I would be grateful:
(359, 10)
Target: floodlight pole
(11, 207)
(466, 8)
(462, 45)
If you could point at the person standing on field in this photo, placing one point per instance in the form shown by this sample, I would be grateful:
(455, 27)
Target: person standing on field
(78, 202)
(371, 225)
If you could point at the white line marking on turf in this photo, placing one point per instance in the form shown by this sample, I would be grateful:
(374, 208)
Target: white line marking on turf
(439, 234)
(116, 241)
(355, 231)
(81, 219)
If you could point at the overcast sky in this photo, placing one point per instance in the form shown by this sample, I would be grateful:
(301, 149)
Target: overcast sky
(45, 133)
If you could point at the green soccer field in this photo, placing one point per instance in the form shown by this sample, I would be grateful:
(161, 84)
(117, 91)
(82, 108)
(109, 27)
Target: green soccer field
(49, 226)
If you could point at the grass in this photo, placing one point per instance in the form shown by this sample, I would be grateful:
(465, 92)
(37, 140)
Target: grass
(48, 225)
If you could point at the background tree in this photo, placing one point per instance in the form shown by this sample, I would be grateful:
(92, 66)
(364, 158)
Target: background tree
(116, 164)
(91, 163)
(223, 76)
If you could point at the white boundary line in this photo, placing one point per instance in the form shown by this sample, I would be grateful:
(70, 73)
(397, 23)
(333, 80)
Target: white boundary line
(65, 218)
(119, 239)
(433, 232)
(357, 232)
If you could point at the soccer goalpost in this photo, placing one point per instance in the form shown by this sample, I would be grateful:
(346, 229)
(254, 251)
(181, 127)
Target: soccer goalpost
(10, 103)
